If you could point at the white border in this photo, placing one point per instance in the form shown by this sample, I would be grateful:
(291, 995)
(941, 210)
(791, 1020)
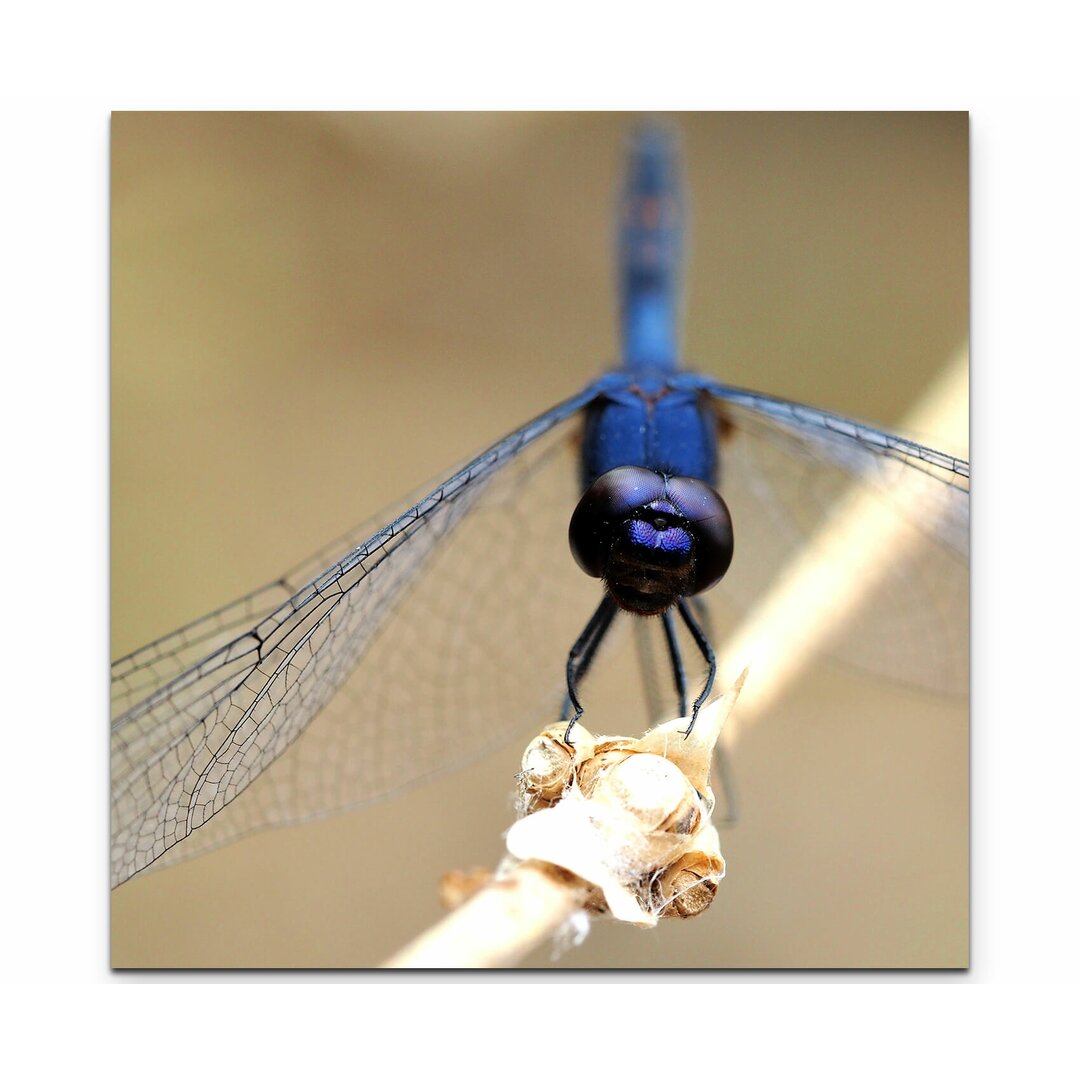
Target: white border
(66, 68)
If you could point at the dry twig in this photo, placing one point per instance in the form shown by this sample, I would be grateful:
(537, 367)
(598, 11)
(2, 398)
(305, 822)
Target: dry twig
(611, 825)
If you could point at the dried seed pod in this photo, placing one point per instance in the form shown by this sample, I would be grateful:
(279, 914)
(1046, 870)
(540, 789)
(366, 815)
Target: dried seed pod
(684, 893)
(606, 754)
(634, 823)
(547, 766)
(628, 816)
(652, 790)
(688, 885)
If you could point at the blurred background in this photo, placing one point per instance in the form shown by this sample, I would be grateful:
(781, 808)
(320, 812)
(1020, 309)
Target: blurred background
(312, 314)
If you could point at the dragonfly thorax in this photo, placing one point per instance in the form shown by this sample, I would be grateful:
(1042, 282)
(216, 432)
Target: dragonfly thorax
(651, 538)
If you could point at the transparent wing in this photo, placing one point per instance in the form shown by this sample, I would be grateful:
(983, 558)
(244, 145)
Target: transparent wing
(442, 634)
(786, 468)
(368, 650)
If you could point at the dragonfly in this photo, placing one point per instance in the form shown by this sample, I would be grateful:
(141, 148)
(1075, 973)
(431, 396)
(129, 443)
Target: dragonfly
(340, 682)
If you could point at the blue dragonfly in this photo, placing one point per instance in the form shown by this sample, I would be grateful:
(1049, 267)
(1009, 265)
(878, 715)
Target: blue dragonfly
(336, 684)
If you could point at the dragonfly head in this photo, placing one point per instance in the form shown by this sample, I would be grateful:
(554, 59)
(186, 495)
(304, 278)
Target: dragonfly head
(651, 538)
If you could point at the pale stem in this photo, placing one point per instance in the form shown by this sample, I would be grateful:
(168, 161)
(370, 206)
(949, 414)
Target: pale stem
(500, 924)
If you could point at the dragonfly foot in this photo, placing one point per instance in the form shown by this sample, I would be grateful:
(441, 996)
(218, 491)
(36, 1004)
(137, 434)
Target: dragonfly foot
(570, 726)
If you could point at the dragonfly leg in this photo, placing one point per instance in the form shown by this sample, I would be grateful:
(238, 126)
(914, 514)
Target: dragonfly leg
(725, 774)
(702, 643)
(647, 668)
(701, 610)
(578, 663)
(677, 668)
(726, 782)
(581, 656)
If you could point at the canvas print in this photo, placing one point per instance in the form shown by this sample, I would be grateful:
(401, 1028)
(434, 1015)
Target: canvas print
(556, 520)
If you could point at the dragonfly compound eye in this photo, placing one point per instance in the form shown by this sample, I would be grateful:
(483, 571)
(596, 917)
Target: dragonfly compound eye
(708, 519)
(608, 501)
(651, 538)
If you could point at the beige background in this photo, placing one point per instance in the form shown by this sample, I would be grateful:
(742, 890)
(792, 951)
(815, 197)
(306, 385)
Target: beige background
(312, 314)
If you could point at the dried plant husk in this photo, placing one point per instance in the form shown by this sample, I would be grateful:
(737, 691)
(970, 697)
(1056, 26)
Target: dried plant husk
(651, 789)
(548, 765)
(606, 754)
(628, 816)
(688, 886)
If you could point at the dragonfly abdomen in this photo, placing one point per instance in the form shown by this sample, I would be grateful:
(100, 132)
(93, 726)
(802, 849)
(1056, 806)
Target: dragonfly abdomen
(650, 250)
